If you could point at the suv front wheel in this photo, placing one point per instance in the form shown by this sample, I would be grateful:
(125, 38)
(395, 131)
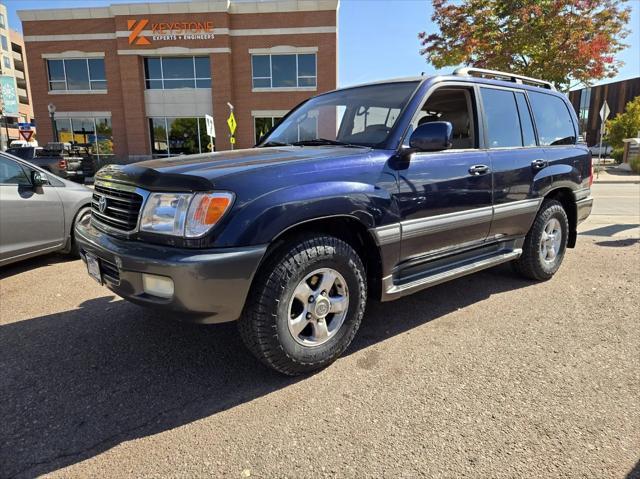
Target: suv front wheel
(306, 304)
(545, 244)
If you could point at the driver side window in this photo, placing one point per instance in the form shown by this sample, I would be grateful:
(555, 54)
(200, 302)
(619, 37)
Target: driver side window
(11, 173)
(455, 105)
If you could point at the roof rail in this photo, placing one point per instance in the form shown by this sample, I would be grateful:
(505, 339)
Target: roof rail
(481, 72)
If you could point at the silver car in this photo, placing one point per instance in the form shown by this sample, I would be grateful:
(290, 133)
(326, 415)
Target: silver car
(38, 211)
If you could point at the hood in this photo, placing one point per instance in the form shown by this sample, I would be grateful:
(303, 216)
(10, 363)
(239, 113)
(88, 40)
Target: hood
(199, 172)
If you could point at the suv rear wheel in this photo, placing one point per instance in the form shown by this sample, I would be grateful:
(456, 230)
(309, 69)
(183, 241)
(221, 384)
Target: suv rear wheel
(545, 244)
(306, 305)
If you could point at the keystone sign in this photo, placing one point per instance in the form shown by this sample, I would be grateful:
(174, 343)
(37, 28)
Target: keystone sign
(165, 31)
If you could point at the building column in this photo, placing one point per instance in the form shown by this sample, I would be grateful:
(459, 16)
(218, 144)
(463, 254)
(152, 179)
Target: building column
(222, 93)
(135, 127)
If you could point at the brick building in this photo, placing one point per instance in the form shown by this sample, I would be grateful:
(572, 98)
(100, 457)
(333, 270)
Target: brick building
(14, 69)
(135, 80)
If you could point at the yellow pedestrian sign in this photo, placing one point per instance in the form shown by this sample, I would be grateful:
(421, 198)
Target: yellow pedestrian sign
(231, 121)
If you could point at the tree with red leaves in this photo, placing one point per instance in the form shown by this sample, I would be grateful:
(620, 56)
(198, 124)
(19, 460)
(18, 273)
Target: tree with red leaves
(567, 42)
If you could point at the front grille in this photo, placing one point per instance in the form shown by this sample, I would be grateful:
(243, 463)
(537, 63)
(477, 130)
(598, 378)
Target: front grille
(110, 271)
(120, 208)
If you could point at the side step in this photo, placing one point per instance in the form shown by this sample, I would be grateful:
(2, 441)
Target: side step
(437, 276)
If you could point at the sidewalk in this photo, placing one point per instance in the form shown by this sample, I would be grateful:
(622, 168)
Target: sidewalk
(616, 206)
(613, 174)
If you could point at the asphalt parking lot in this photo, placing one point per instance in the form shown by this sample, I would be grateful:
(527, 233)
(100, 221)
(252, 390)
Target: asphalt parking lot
(486, 376)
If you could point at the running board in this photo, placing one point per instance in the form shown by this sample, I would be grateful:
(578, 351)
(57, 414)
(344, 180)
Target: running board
(394, 291)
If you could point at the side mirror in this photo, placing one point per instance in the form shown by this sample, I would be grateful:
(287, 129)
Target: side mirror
(433, 136)
(38, 179)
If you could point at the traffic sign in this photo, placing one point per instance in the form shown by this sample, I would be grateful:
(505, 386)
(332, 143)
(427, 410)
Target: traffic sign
(231, 121)
(26, 134)
(604, 111)
(211, 129)
(232, 140)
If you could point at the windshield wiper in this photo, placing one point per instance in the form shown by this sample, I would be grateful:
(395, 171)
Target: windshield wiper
(325, 141)
(275, 143)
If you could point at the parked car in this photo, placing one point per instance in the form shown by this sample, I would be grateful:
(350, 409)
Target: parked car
(37, 211)
(27, 153)
(376, 191)
(61, 159)
(604, 151)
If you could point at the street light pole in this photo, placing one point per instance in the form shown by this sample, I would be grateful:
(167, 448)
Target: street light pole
(52, 114)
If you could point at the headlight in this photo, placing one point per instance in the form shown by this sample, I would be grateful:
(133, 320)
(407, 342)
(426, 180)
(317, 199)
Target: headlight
(184, 214)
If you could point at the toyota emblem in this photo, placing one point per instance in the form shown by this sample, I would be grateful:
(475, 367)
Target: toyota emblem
(102, 204)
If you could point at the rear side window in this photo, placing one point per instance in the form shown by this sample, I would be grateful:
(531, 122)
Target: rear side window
(11, 173)
(554, 123)
(528, 136)
(501, 114)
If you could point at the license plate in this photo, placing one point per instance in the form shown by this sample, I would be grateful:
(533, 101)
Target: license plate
(93, 267)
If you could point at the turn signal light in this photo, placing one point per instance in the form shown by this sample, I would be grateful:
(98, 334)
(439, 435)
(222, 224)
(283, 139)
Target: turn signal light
(205, 211)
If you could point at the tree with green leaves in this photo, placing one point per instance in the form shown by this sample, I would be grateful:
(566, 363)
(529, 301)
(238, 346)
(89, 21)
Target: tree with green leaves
(567, 42)
(624, 125)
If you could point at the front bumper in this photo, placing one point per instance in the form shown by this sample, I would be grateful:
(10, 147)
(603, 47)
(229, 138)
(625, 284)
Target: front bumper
(583, 208)
(210, 286)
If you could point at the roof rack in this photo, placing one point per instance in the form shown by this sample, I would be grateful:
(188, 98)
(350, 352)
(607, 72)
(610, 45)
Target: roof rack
(481, 72)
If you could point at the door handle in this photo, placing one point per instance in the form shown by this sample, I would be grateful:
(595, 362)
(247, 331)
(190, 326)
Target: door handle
(539, 164)
(477, 170)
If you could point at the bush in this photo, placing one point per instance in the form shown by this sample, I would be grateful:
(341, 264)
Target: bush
(617, 154)
(635, 165)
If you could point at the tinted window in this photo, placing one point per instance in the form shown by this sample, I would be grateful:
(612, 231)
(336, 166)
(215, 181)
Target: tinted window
(96, 74)
(77, 74)
(177, 72)
(12, 174)
(26, 153)
(528, 136)
(502, 119)
(284, 70)
(553, 120)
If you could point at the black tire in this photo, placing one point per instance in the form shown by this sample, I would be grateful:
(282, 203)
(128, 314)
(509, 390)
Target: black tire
(74, 251)
(531, 264)
(264, 325)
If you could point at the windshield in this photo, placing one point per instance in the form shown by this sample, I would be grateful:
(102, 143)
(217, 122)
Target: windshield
(362, 116)
(26, 153)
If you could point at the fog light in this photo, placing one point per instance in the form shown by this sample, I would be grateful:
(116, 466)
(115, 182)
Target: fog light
(160, 286)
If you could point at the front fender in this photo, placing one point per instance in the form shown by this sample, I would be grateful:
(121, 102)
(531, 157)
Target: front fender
(264, 218)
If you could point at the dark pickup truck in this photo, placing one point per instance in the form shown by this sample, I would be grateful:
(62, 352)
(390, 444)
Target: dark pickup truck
(59, 159)
(375, 191)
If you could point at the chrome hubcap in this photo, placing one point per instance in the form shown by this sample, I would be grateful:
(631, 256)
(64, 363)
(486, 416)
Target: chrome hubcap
(550, 241)
(318, 307)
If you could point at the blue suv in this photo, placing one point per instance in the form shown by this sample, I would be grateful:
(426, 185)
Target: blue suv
(375, 191)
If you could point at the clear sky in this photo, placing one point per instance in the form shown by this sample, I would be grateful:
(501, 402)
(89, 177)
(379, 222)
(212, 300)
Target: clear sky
(377, 39)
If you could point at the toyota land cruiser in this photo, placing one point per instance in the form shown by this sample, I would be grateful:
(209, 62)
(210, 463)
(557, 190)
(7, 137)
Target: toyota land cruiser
(375, 191)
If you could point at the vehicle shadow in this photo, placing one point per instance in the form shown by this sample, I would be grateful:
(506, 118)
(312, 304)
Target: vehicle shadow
(609, 230)
(77, 383)
(33, 263)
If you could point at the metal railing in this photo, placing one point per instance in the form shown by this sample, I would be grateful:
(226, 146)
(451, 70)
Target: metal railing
(498, 75)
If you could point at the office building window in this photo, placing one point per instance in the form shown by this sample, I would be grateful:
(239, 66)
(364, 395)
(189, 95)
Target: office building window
(93, 134)
(5, 45)
(3, 23)
(77, 74)
(262, 125)
(165, 73)
(284, 71)
(7, 62)
(178, 136)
